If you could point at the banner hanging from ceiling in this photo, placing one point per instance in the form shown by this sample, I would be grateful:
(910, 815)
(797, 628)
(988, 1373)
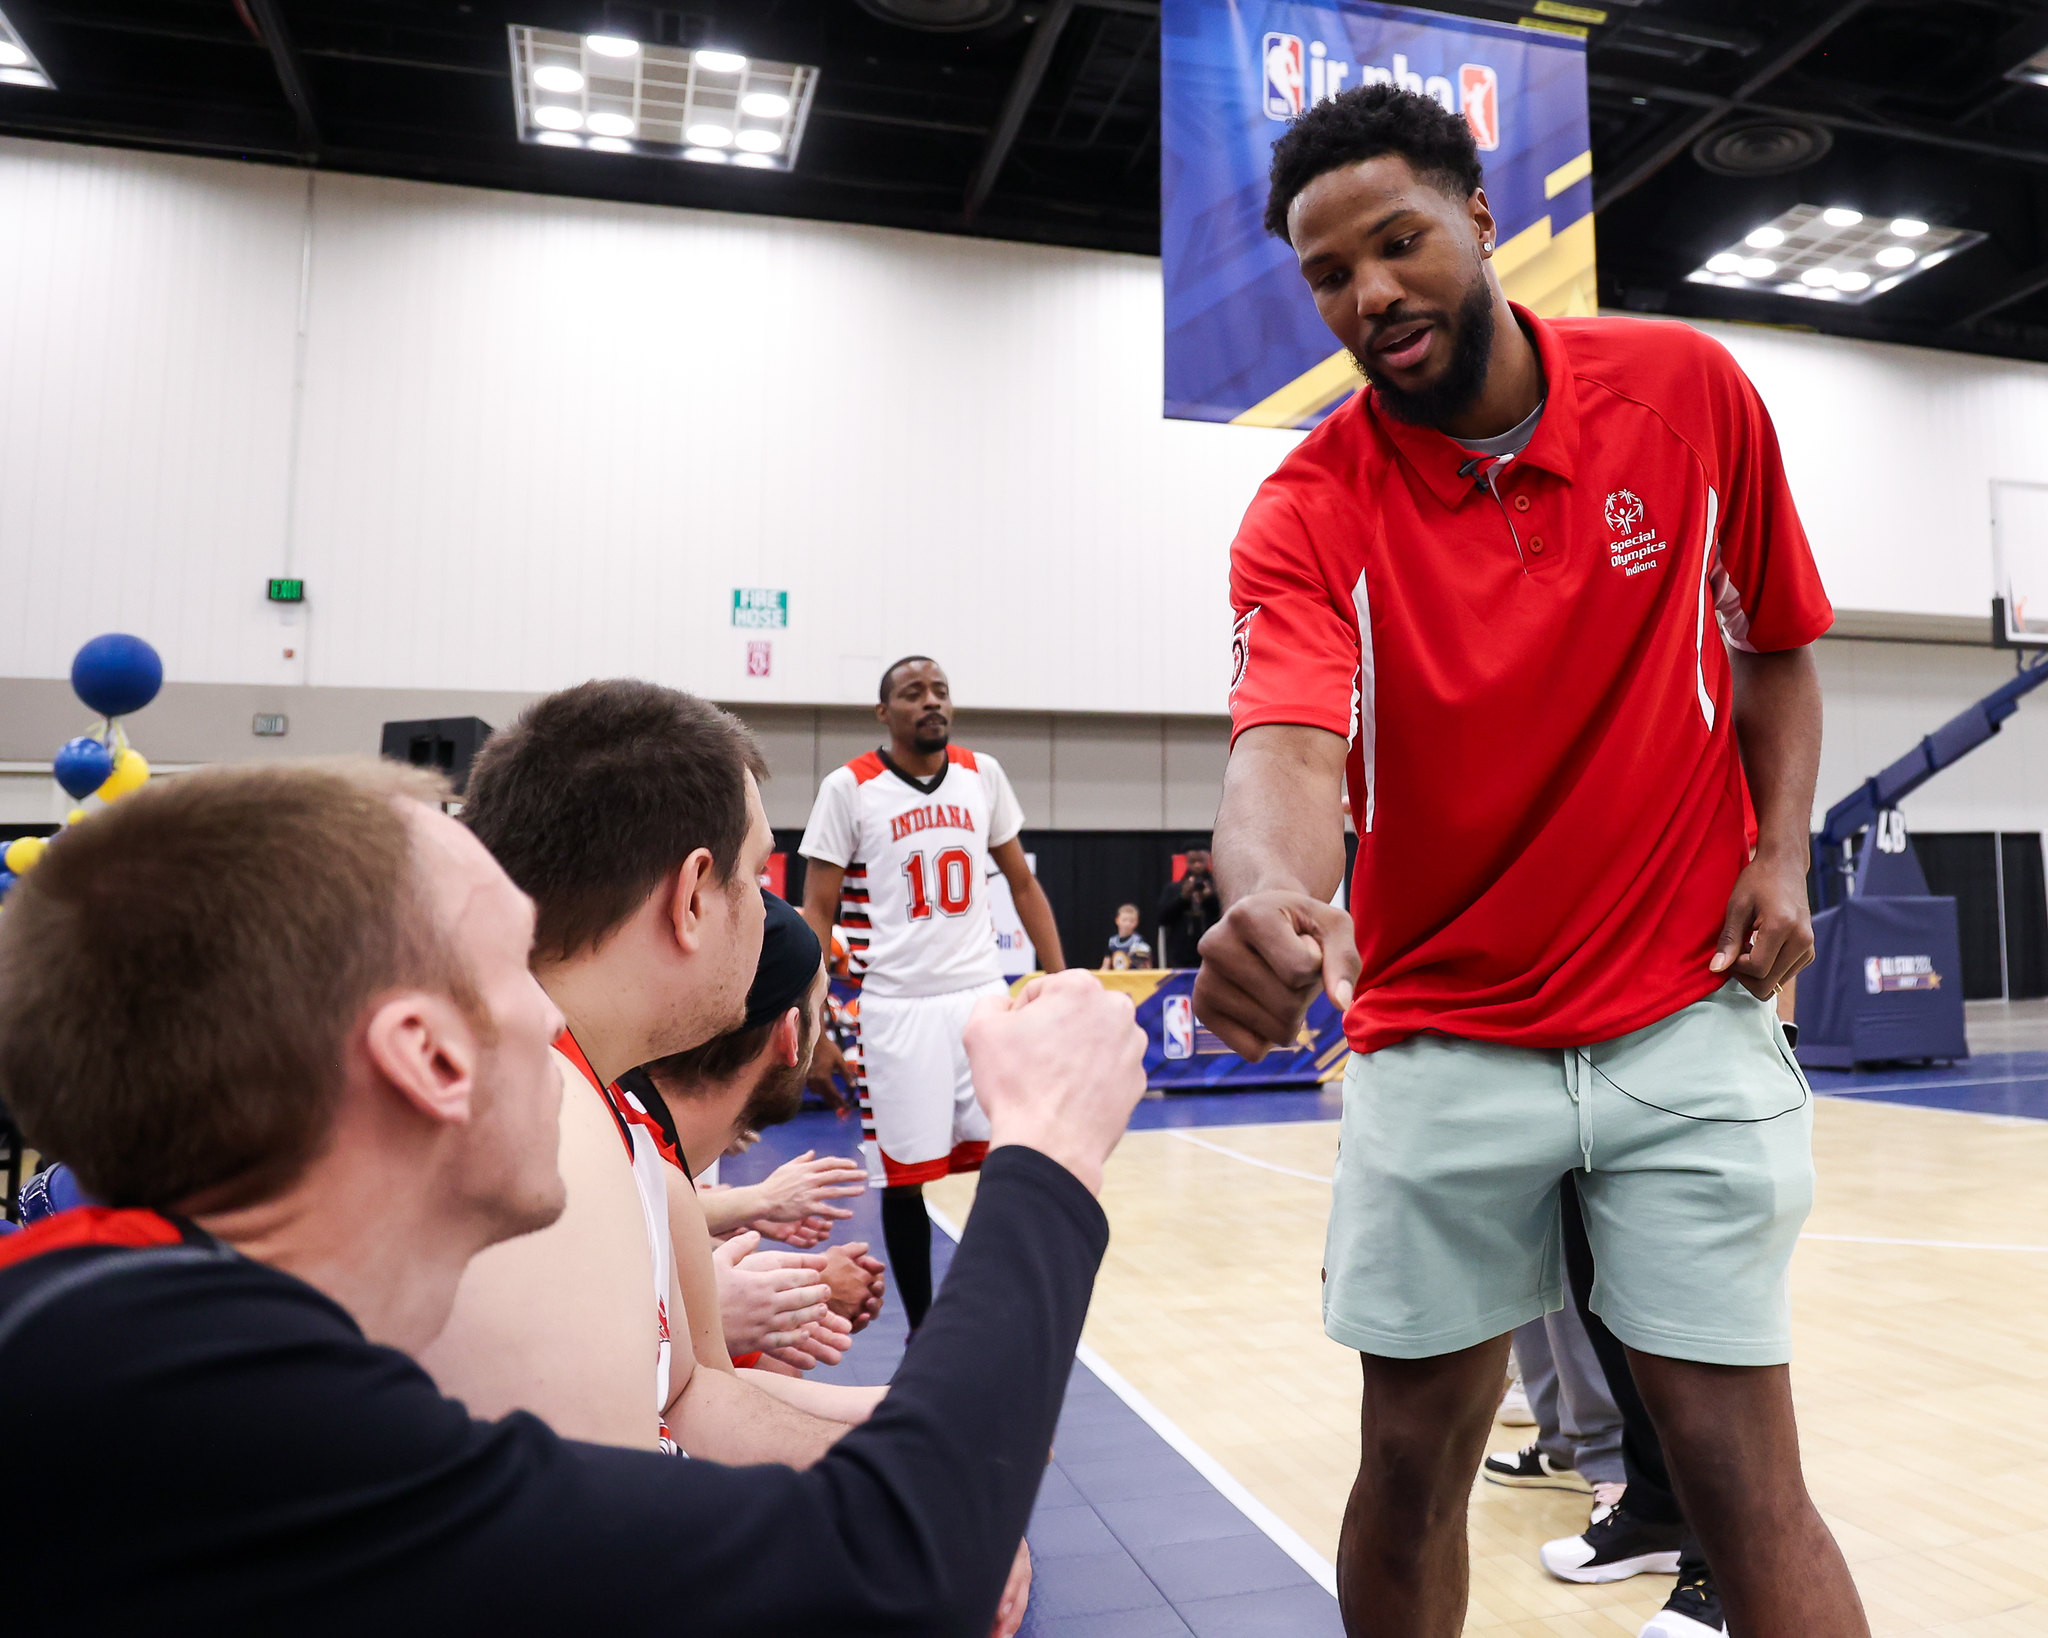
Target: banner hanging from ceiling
(1243, 342)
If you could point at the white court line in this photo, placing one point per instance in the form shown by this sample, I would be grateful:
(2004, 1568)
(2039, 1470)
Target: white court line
(1928, 1086)
(1239, 1154)
(1846, 1239)
(1282, 1535)
(1938, 1245)
(1276, 1529)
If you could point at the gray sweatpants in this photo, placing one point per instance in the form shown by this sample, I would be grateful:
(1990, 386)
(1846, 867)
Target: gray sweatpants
(1576, 1422)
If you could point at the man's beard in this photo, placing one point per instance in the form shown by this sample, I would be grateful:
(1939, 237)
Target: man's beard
(1459, 387)
(926, 737)
(778, 1097)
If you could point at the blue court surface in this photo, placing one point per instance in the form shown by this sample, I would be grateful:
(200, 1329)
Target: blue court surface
(1129, 1538)
(1990, 1083)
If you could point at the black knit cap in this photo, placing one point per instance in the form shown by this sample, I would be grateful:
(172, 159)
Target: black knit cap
(788, 966)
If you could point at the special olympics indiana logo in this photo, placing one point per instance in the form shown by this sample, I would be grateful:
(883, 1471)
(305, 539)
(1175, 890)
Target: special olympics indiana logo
(1241, 649)
(1624, 511)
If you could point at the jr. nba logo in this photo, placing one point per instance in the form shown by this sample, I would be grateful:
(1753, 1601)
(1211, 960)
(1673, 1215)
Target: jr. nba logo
(1479, 99)
(1286, 76)
(1177, 1024)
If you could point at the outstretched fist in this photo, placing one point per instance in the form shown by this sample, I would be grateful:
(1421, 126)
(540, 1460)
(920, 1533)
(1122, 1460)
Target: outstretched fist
(1059, 1068)
(1263, 963)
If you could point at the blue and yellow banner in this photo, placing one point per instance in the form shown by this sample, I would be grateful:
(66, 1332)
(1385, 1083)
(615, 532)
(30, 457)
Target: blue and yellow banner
(1243, 341)
(1181, 1055)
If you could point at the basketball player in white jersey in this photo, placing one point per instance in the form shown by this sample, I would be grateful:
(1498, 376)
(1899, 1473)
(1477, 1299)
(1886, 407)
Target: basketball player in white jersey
(904, 835)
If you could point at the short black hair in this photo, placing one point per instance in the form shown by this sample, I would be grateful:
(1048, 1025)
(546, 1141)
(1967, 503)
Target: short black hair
(882, 696)
(1364, 123)
(599, 791)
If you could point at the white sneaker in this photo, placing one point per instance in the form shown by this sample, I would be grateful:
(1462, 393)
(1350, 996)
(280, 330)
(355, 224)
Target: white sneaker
(1529, 1469)
(1614, 1546)
(1671, 1624)
(1514, 1407)
(1692, 1611)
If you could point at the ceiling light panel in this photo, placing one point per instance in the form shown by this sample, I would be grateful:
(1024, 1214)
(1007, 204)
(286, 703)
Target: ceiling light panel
(663, 102)
(18, 65)
(2034, 71)
(1832, 253)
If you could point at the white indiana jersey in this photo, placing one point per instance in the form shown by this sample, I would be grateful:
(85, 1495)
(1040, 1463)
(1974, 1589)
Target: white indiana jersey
(915, 853)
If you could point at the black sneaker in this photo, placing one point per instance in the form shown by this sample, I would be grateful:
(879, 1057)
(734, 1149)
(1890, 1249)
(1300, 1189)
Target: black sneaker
(1692, 1611)
(1614, 1546)
(1529, 1469)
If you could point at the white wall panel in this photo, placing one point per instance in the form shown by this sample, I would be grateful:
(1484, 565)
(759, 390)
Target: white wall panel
(1880, 698)
(147, 313)
(547, 438)
(1109, 773)
(1196, 752)
(544, 439)
(1891, 453)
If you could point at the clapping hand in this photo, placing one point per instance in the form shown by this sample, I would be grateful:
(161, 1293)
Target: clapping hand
(806, 1187)
(812, 1231)
(767, 1298)
(858, 1282)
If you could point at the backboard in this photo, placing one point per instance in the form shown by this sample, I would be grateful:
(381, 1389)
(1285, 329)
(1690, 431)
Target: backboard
(2019, 564)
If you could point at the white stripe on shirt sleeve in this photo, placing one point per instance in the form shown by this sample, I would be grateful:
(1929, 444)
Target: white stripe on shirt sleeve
(1365, 701)
(1710, 552)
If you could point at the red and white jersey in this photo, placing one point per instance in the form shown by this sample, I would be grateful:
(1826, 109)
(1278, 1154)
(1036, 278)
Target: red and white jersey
(646, 1146)
(915, 852)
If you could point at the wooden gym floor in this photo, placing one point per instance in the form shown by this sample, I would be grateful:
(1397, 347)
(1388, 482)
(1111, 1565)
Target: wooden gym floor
(1921, 1369)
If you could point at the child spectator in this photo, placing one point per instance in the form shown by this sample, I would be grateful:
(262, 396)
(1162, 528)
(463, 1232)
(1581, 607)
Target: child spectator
(1127, 951)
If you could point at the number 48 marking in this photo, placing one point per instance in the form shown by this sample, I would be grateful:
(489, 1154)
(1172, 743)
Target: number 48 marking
(954, 869)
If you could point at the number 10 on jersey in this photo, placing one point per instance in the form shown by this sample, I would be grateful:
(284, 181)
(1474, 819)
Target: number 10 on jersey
(951, 872)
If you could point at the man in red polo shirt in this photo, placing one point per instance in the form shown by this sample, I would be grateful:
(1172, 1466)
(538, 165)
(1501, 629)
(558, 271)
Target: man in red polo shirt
(1541, 602)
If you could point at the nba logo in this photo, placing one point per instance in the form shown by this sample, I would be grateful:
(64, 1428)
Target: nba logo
(1286, 76)
(758, 657)
(1479, 97)
(1177, 1020)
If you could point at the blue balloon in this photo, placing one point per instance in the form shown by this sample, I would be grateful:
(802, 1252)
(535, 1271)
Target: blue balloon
(7, 880)
(116, 674)
(49, 1192)
(82, 766)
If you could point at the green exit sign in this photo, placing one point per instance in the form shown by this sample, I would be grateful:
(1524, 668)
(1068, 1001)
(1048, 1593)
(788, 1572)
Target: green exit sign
(758, 609)
(287, 591)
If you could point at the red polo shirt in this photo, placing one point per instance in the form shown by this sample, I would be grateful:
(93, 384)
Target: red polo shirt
(1544, 777)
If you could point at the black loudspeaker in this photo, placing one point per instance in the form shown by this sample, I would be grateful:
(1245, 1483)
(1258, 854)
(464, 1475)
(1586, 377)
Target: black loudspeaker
(447, 743)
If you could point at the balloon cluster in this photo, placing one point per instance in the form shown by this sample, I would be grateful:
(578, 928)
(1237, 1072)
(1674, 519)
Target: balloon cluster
(114, 675)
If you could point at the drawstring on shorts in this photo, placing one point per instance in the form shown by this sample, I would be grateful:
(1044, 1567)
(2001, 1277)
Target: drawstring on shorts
(1578, 1085)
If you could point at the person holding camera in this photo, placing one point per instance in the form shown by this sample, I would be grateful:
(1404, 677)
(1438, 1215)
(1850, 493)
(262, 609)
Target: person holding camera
(1187, 910)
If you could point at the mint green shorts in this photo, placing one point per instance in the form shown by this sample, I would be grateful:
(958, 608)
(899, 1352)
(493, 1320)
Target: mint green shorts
(1692, 1141)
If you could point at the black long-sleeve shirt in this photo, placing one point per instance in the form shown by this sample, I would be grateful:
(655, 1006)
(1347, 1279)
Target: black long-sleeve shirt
(1183, 918)
(200, 1443)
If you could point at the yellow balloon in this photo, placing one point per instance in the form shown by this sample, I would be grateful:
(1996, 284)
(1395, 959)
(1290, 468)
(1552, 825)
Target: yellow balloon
(131, 773)
(23, 853)
(75, 816)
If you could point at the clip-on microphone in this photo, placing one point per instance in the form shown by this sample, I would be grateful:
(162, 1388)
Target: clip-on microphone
(1481, 468)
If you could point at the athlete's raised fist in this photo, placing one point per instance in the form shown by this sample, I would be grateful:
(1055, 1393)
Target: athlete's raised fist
(1059, 1068)
(1263, 963)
